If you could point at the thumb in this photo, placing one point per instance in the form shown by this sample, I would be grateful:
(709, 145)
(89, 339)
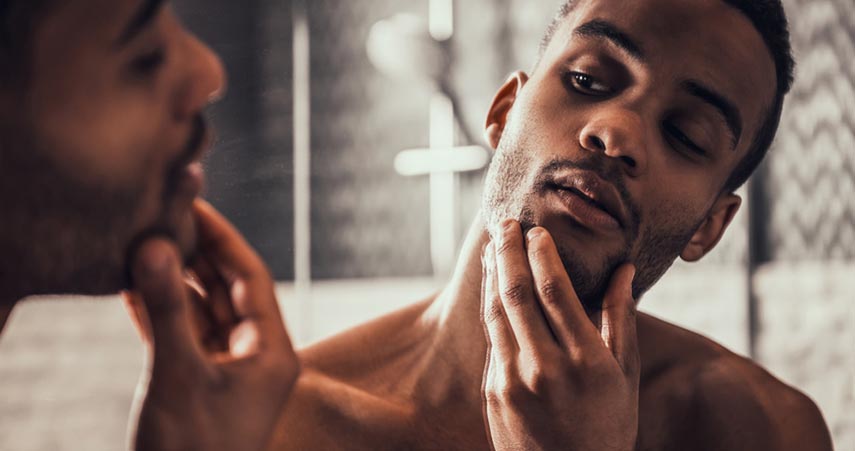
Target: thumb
(159, 283)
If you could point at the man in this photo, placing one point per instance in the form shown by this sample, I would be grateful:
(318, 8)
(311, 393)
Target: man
(618, 154)
(101, 132)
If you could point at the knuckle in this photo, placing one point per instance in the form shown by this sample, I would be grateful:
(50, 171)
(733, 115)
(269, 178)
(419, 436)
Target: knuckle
(516, 291)
(551, 290)
(502, 384)
(494, 314)
(508, 244)
(541, 382)
(500, 397)
(492, 397)
(509, 392)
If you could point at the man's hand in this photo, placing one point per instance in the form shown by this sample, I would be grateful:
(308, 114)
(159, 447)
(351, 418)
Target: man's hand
(221, 365)
(552, 380)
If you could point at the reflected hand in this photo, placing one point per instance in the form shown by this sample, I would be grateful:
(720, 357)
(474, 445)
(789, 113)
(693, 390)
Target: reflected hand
(552, 380)
(221, 365)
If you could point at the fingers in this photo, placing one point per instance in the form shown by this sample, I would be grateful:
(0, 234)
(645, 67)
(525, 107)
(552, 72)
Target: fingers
(502, 342)
(516, 289)
(250, 288)
(206, 329)
(216, 293)
(562, 308)
(159, 283)
(619, 320)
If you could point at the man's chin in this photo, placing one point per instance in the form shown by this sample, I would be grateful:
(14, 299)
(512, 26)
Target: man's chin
(589, 266)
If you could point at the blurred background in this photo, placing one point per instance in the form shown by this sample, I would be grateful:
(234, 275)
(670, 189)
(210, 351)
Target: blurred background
(349, 152)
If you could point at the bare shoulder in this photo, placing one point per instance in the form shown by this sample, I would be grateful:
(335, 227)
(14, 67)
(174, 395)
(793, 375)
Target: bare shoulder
(356, 352)
(345, 397)
(732, 403)
(329, 414)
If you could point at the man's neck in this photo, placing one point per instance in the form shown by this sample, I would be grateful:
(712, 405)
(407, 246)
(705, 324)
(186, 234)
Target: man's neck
(459, 346)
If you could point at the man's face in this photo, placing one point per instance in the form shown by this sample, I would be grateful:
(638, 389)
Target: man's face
(103, 145)
(622, 140)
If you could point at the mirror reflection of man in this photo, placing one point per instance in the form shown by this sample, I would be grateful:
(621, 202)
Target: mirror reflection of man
(101, 133)
(619, 153)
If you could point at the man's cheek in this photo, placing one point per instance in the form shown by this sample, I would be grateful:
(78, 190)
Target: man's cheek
(113, 154)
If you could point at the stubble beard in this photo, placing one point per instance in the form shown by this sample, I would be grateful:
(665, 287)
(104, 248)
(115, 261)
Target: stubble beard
(64, 235)
(510, 191)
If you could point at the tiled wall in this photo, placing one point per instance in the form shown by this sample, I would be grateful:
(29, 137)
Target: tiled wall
(808, 336)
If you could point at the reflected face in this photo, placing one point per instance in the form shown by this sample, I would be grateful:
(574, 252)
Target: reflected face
(103, 144)
(622, 140)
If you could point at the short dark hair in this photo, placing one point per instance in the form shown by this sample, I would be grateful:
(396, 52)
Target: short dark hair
(18, 20)
(770, 20)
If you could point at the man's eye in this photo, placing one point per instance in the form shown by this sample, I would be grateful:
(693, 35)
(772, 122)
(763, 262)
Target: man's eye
(676, 134)
(588, 85)
(148, 63)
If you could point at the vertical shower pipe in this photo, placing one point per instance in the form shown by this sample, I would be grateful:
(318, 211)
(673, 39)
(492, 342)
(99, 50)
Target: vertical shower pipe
(443, 185)
(302, 171)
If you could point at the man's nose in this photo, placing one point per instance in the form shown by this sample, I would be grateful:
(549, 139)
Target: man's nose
(205, 80)
(618, 134)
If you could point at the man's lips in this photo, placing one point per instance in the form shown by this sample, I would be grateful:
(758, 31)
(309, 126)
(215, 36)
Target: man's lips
(590, 199)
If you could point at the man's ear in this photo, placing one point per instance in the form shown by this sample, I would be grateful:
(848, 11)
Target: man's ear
(497, 117)
(713, 227)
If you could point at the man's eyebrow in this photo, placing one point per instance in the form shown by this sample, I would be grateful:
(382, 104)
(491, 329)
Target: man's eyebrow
(143, 16)
(724, 106)
(601, 29)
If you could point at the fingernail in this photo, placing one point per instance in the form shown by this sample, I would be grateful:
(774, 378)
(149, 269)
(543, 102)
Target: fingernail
(534, 233)
(508, 224)
(506, 228)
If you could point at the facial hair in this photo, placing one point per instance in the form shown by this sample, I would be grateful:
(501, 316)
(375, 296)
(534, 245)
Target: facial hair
(62, 234)
(512, 188)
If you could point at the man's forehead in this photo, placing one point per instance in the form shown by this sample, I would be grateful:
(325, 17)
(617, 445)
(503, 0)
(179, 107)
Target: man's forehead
(706, 40)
